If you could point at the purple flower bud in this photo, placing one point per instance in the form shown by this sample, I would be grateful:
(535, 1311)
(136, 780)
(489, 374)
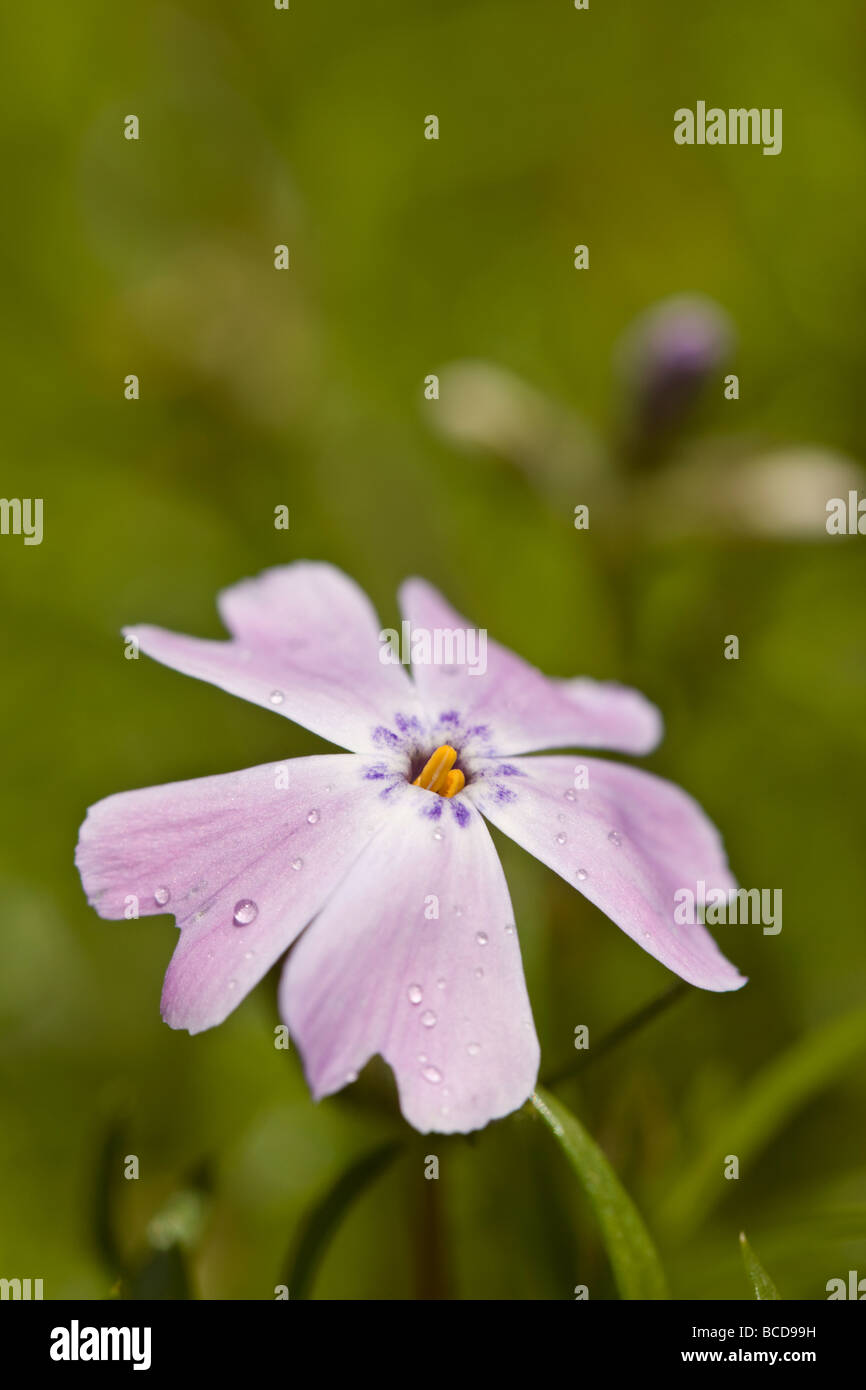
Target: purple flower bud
(666, 356)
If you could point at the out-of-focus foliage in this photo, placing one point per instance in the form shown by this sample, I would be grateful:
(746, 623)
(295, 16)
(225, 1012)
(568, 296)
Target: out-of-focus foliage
(305, 388)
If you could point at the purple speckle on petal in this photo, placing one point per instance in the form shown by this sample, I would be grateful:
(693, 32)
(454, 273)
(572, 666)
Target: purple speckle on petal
(385, 738)
(407, 722)
(460, 811)
(508, 770)
(449, 716)
(434, 810)
(503, 794)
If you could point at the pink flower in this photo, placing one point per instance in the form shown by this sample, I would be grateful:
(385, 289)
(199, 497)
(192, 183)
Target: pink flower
(382, 854)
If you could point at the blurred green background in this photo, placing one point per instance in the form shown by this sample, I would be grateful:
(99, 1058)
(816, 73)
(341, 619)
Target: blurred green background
(306, 388)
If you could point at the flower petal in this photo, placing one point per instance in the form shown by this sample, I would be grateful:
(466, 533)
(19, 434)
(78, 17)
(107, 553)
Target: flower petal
(443, 999)
(525, 709)
(216, 842)
(306, 644)
(636, 838)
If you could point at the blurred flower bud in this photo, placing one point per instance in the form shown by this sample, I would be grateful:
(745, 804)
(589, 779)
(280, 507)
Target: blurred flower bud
(732, 487)
(664, 359)
(484, 408)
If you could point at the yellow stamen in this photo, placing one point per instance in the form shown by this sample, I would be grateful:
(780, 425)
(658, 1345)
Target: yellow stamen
(436, 773)
(454, 783)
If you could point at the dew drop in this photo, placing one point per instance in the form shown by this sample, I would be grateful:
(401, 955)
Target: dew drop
(571, 794)
(329, 788)
(246, 911)
(445, 1110)
(428, 1018)
(473, 1049)
(233, 984)
(422, 1056)
(615, 838)
(481, 938)
(560, 817)
(248, 955)
(509, 928)
(440, 984)
(582, 875)
(479, 973)
(561, 838)
(161, 895)
(350, 1077)
(458, 910)
(297, 864)
(415, 993)
(277, 697)
(313, 817)
(432, 1074)
(437, 835)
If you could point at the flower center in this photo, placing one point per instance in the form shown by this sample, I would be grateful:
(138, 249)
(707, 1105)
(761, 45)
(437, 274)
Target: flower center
(439, 773)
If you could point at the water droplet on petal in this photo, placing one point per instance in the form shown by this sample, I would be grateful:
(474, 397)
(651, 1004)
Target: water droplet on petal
(428, 1018)
(297, 864)
(445, 1110)
(161, 895)
(458, 910)
(437, 835)
(582, 875)
(313, 816)
(246, 911)
(571, 794)
(478, 972)
(440, 984)
(432, 1074)
(561, 838)
(473, 1049)
(481, 938)
(422, 1056)
(248, 955)
(350, 1077)
(415, 993)
(509, 928)
(233, 984)
(277, 697)
(560, 817)
(615, 838)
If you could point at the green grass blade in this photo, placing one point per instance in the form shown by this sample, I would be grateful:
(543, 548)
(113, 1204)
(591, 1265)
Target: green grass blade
(324, 1218)
(766, 1105)
(760, 1279)
(635, 1263)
